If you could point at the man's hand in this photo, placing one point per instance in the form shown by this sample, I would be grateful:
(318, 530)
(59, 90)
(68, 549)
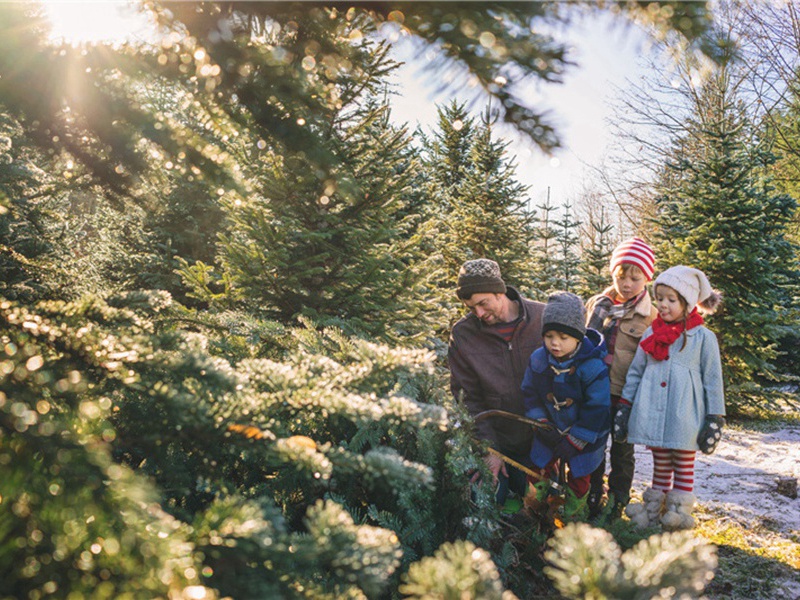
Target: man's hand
(495, 464)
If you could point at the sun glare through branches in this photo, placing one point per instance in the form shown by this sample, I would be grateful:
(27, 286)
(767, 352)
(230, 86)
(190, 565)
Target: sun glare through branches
(99, 21)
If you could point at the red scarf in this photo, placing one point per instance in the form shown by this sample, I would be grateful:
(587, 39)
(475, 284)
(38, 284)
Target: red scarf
(657, 345)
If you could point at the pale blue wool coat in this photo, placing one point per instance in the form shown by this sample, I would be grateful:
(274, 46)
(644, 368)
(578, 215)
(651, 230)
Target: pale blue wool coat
(672, 397)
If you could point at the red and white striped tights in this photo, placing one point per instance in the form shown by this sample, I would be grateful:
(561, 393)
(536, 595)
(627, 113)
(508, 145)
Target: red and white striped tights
(669, 463)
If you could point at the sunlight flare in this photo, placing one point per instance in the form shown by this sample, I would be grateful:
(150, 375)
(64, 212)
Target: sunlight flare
(107, 21)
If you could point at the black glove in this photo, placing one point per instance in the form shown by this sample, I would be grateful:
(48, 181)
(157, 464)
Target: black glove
(550, 437)
(710, 433)
(565, 449)
(621, 417)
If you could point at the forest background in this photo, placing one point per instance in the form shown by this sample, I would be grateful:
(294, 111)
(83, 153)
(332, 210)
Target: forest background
(227, 282)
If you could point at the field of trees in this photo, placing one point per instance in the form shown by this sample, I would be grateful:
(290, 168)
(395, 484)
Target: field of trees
(227, 284)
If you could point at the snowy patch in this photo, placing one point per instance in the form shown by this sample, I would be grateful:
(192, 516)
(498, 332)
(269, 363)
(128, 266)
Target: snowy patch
(739, 479)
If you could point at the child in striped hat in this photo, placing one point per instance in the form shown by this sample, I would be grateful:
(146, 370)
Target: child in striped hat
(621, 313)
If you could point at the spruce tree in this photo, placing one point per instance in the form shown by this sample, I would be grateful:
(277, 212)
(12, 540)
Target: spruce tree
(24, 188)
(332, 248)
(478, 208)
(504, 220)
(784, 133)
(721, 214)
(543, 261)
(596, 251)
(679, 564)
(566, 260)
(445, 159)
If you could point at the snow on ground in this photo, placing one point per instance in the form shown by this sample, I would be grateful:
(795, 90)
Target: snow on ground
(739, 479)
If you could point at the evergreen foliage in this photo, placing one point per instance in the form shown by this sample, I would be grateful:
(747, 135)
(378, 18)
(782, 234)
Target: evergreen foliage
(783, 132)
(669, 565)
(259, 438)
(460, 571)
(321, 466)
(477, 208)
(310, 244)
(27, 197)
(75, 521)
(720, 213)
(543, 263)
(567, 260)
(595, 254)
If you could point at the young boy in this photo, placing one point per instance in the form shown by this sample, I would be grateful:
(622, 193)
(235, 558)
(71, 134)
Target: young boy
(621, 313)
(566, 386)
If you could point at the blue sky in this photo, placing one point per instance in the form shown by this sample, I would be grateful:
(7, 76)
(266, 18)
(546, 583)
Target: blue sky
(606, 55)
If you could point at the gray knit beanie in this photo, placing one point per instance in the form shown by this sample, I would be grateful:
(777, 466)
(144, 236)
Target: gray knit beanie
(479, 276)
(564, 312)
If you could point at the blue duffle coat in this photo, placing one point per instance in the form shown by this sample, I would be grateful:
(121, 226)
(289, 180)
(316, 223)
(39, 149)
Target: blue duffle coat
(588, 417)
(672, 397)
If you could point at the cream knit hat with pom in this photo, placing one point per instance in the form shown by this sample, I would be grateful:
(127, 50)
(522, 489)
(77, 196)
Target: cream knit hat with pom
(693, 285)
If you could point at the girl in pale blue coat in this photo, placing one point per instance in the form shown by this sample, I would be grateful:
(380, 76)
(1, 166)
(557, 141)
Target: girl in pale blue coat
(674, 392)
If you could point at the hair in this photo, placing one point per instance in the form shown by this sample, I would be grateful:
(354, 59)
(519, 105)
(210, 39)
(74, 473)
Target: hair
(623, 269)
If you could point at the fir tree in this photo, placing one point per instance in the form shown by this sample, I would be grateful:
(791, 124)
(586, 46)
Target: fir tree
(330, 248)
(566, 260)
(445, 160)
(504, 220)
(478, 207)
(596, 251)
(543, 270)
(320, 465)
(721, 214)
(24, 189)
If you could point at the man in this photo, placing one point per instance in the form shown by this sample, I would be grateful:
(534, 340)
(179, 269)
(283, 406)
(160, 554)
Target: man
(488, 354)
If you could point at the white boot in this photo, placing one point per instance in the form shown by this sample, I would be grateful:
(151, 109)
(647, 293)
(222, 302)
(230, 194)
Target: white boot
(679, 505)
(648, 513)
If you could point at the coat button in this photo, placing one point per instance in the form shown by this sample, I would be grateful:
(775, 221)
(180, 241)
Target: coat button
(663, 384)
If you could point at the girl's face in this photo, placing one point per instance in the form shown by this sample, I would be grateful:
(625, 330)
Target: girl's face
(629, 281)
(670, 304)
(559, 344)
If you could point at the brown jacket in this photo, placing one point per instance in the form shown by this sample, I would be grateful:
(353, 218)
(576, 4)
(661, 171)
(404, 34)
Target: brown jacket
(630, 328)
(486, 372)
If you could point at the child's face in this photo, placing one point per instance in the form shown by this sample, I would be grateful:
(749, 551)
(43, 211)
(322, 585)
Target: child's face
(559, 344)
(629, 281)
(671, 306)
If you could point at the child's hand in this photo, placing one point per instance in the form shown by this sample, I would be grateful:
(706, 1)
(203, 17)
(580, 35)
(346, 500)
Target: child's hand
(621, 417)
(565, 449)
(711, 433)
(550, 437)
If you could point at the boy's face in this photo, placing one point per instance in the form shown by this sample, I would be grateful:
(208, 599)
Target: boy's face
(629, 281)
(669, 303)
(559, 344)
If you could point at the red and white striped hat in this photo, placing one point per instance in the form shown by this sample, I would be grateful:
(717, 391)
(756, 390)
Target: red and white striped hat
(634, 251)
